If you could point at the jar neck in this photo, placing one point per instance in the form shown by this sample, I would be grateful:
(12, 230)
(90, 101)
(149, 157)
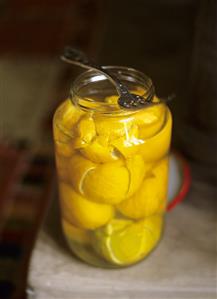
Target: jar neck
(91, 90)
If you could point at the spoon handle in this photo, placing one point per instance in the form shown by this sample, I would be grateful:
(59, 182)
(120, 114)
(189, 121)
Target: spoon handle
(79, 58)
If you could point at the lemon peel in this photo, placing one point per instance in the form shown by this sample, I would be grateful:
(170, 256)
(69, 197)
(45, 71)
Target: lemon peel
(99, 153)
(151, 196)
(123, 242)
(112, 127)
(137, 169)
(156, 147)
(127, 145)
(107, 183)
(82, 212)
(78, 168)
(65, 118)
(85, 129)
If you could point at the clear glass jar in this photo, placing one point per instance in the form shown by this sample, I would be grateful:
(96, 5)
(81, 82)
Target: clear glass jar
(112, 168)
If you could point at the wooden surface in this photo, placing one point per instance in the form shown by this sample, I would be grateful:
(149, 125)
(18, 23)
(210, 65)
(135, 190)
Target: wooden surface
(182, 267)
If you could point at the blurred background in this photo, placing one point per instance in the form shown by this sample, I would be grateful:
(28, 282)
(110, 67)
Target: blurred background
(172, 41)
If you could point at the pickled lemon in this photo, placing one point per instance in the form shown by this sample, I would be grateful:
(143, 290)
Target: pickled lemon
(107, 183)
(86, 129)
(81, 212)
(127, 145)
(74, 233)
(66, 116)
(156, 147)
(137, 169)
(124, 242)
(155, 225)
(78, 168)
(97, 152)
(147, 200)
(149, 130)
(112, 127)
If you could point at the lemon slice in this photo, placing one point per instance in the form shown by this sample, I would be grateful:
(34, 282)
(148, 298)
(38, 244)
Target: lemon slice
(123, 242)
(156, 147)
(75, 234)
(107, 183)
(137, 169)
(99, 153)
(78, 168)
(151, 197)
(81, 212)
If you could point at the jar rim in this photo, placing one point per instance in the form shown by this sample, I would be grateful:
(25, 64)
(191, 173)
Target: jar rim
(127, 73)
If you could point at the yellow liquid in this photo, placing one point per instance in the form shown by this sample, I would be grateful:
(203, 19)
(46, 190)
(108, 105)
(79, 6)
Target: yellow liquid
(113, 173)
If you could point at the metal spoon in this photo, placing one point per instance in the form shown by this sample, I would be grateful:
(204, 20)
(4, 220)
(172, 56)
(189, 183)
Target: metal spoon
(126, 99)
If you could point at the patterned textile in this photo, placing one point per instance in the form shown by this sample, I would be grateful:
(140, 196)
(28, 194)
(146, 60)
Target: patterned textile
(25, 188)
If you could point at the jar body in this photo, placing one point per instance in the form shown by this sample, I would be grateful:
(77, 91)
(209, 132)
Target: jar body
(113, 178)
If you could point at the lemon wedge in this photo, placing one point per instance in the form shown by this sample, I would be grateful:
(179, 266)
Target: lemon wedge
(81, 212)
(107, 183)
(78, 168)
(123, 242)
(86, 129)
(66, 116)
(112, 127)
(137, 169)
(97, 152)
(151, 197)
(156, 147)
(127, 145)
(74, 233)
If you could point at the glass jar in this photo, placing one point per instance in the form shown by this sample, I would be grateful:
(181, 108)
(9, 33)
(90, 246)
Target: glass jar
(112, 166)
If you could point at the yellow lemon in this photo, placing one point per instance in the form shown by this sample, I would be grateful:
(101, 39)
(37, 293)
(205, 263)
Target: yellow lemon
(66, 116)
(156, 147)
(127, 145)
(112, 127)
(123, 242)
(149, 130)
(75, 234)
(78, 168)
(81, 212)
(161, 173)
(149, 115)
(86, 129)
(155, 225)
(137, 169)
(150, 198)
(99, 153)
(107, 183)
